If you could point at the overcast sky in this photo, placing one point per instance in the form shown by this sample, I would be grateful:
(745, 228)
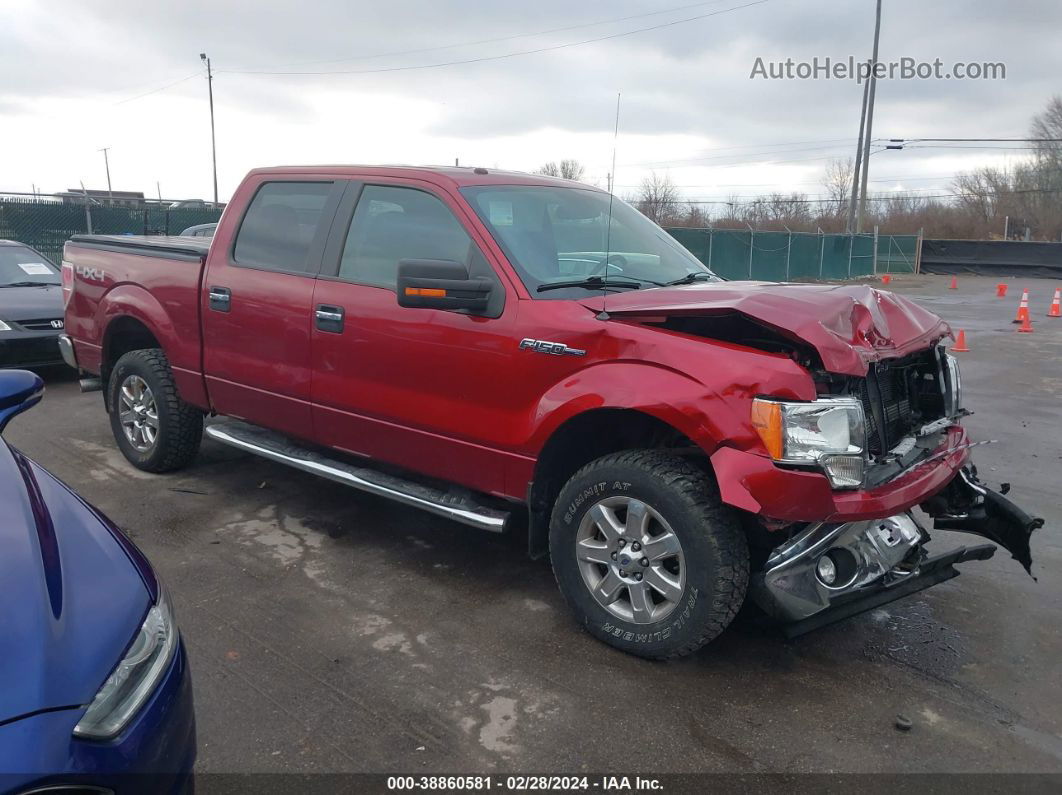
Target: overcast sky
(75, 74)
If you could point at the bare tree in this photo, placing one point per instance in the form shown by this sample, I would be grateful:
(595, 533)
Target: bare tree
(658, 198)
(697, 216)
(569, 168)
(838, 183)
(1048, 124)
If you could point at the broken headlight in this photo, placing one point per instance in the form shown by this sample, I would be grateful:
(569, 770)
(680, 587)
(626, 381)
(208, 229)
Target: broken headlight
(951, 385)
(829, 432)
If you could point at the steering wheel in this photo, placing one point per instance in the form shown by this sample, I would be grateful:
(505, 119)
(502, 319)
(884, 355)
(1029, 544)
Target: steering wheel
(615, 261)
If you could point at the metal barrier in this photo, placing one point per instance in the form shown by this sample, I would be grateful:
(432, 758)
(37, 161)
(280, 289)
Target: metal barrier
(47, 224)
(794, 256)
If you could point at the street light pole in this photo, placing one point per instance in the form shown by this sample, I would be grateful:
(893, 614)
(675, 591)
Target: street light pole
(107, 165)
(870, 124)
(858, 166)
(213, 143)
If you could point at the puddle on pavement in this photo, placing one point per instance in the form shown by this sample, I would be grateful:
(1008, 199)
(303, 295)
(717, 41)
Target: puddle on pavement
(908, 633)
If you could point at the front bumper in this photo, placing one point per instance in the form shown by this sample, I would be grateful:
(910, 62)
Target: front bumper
(878, 561)
(756, 484)
(29, 349)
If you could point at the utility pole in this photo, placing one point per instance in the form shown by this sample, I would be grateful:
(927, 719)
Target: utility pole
(857, 168)
(870, 123)
(213, 143)
(107, 165)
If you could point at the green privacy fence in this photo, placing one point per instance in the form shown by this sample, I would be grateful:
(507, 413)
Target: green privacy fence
(47, 225)
(794, 256)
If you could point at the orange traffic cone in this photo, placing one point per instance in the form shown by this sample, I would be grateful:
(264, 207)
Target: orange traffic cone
(960, 343)
(954, 283)
(1056, 304)
(1001, 290)
(1023, 307)
(1026, 324)
(886, 279)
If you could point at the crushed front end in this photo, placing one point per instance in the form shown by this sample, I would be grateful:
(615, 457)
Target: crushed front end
(839, 483)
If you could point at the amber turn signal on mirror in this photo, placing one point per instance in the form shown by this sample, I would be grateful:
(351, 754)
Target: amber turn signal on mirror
(428, 292)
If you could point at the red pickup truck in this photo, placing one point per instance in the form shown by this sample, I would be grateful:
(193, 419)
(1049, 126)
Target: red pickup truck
(505, 349)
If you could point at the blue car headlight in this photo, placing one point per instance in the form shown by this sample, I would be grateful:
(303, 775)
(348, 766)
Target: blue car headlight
(134, 679)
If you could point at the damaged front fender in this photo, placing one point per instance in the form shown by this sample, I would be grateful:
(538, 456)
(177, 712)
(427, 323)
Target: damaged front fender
(968, 505)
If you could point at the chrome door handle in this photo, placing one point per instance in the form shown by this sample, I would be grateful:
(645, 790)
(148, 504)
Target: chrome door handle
(329, 318)
(220, 298)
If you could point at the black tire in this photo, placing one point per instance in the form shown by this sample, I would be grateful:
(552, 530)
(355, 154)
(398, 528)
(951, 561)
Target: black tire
(180, 425)
(714, 548)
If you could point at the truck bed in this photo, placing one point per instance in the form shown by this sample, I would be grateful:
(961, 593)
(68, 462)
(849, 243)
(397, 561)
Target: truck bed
(167, 246)
(153, 281)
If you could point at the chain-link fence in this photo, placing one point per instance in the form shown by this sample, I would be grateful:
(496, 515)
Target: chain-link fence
(794, 256)
(47, 223)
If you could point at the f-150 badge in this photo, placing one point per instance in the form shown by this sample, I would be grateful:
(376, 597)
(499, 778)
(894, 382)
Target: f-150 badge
(544, 346)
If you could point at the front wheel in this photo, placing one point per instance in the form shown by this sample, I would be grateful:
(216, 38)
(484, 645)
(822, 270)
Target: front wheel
(155, 430)
(646, 554)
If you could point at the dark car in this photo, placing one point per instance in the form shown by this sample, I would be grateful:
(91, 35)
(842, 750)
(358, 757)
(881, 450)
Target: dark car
(96, 694)
(200, 230)
(31, 307)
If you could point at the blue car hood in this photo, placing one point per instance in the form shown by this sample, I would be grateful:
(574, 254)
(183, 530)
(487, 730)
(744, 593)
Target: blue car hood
(73, 592)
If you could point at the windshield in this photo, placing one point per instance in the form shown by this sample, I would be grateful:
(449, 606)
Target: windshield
(24, 266)
(554, 235)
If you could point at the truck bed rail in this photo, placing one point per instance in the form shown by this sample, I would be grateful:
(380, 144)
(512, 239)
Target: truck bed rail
(168, 247)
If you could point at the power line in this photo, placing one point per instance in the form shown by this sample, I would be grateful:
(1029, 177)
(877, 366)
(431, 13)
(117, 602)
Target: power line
(815, 182)
(160, 88)
(820, 196)
(982, 148)
(692, 161)
(785, 200)
(969, 140)
(483, 59)
(738, 154)
(497, 39)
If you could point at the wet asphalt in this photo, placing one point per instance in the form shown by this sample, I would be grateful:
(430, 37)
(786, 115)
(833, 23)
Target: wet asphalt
(332, 631)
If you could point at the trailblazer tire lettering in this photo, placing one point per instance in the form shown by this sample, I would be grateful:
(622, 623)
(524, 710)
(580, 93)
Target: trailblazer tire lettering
(654, 637)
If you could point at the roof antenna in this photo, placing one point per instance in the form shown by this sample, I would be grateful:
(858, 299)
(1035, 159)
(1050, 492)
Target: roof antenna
(603, 315)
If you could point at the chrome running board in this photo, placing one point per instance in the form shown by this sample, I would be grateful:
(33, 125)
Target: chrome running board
(260, 441)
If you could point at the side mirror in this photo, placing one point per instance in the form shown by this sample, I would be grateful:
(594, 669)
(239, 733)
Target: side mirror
(440, 284)
(19, 390)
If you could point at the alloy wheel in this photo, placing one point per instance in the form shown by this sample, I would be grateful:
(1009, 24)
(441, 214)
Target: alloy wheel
(138, 413)
(631, 560)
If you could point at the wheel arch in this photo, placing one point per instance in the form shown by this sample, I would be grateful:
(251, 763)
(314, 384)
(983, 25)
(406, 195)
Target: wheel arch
(585, 437)
(124, 333)
(132, 318)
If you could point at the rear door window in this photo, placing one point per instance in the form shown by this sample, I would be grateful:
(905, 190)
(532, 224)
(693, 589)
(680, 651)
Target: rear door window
(280, 224)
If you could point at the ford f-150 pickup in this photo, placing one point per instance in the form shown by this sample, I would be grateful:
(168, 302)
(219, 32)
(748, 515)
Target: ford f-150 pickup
(505, 349)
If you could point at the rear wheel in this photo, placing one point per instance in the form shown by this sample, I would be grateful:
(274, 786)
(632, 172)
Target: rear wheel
(155, 430)
(646, 554)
